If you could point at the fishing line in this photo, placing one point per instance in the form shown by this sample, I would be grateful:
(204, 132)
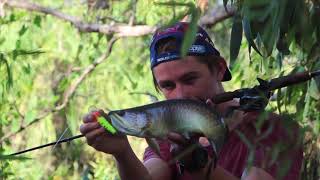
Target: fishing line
(49, 144)
(60, 138)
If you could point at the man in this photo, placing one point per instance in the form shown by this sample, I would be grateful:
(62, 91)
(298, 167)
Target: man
(198, 76)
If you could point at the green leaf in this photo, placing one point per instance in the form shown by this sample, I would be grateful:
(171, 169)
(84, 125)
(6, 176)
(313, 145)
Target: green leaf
(19, 158)
(270, 35)
(245, 140)
(12, 17)
(23, 30)
(27, 68)
(37, 21)
(190, 35)
(307, 105)
(9, 74)
(248, 34)
(279, 100)
(175, 19)
(2, 40)
(29, 116)
(18, 44)
(22, 52)
(314, 90)
(236, 38)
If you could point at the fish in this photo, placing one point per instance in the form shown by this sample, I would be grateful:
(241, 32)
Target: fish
(182, 116)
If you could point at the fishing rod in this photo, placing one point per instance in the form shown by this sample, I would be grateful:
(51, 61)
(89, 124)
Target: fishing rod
(266, 86)
(49, 144)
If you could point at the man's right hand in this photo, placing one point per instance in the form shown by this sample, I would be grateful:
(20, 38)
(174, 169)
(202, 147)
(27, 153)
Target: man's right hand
(98, 138)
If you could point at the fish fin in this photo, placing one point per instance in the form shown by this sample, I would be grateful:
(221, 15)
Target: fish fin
(153, 144)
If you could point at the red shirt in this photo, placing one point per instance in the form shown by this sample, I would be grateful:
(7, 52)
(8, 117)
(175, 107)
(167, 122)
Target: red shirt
(275, 146)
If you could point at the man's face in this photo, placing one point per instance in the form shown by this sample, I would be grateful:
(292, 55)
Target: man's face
(187, 79)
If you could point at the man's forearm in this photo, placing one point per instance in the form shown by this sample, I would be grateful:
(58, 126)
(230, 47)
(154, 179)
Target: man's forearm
(130, 167)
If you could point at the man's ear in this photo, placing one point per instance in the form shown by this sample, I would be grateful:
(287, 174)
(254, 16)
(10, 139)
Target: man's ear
(221, 68)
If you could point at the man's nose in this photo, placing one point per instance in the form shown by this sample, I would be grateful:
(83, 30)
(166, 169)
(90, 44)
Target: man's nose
(182, 92)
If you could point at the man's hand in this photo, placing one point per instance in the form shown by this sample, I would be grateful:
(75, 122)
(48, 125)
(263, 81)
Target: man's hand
(98, 138)
(191, 154)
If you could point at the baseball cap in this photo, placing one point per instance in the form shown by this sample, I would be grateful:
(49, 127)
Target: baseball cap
(202, 46)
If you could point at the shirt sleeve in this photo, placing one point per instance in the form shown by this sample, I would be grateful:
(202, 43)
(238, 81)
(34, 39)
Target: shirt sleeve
(164, 152)
(165, 155)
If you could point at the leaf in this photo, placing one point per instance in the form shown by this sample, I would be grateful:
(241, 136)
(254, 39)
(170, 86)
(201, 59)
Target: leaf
(279, 59)
(245, 140)
(175, 19)
(270, 36)
(307, 105)
(314, 90)
(133, 83)
(190, 34)
(23, 30)
(12, 17)
(22, 52)
(236, 38)
(8, 157)
(18, 44)
(178, 17)
(2, 40)
(9, 74)
(285, 167)
(279, 101)
(27, 68)
(248, 34)
(29, 116)
(37, 21)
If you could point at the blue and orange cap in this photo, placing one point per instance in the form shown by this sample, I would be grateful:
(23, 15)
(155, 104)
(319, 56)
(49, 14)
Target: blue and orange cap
(202, 46)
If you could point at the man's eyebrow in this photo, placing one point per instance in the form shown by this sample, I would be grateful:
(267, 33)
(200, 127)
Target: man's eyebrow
(164, 82)
(189, 74)
(182, 77)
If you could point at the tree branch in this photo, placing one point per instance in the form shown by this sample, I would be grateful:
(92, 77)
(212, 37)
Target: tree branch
(69, 92)
(23, 127)
(217, 15)
(117, 29)
(214, 16)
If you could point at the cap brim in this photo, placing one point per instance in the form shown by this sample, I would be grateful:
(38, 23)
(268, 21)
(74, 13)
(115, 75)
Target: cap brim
(227, 75)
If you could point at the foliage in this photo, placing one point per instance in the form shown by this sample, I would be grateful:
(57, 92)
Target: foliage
(279, 24)
(286, 35)
(41, 56)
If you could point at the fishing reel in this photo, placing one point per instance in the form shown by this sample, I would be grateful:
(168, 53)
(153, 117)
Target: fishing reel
(256, 98)
(197, 161)
(194, 156)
